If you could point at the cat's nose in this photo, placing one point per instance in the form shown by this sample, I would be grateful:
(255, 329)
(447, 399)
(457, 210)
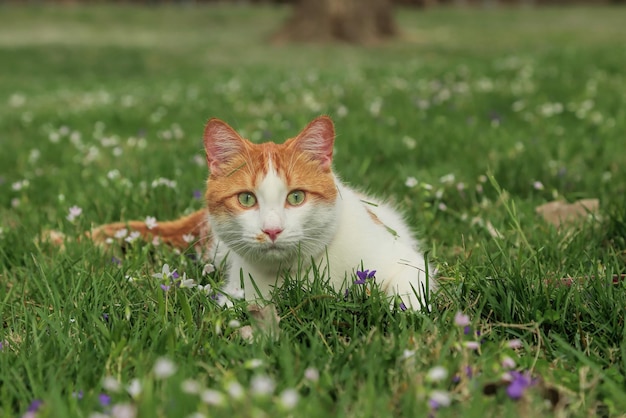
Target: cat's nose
(272, 233)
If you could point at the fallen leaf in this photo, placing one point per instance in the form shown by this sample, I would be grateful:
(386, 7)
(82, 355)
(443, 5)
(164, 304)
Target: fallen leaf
(560, 213)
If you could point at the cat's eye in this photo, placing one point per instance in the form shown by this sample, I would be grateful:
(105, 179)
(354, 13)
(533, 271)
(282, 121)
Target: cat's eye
(295, 198)
(246, 199)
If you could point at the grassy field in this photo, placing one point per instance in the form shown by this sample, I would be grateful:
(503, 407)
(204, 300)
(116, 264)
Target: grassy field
(469, 122)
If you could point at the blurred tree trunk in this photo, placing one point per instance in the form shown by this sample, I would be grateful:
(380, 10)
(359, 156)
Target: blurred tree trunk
(354, 21)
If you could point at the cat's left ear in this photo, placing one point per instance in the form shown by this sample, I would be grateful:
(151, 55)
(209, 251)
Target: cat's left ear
(221, 143)
(317, 139)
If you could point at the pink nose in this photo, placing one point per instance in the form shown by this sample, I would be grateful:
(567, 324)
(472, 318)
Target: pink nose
(272, 233)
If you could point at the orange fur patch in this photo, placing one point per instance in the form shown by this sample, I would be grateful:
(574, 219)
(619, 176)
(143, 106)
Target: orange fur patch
(244, 173)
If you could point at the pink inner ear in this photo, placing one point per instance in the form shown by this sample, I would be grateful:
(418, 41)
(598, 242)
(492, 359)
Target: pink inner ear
(318, 139)
(221, 143)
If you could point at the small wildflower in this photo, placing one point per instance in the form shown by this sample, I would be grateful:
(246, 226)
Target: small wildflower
(188, 283)
(212, 397)
(164, 368)
(78, 395)
(35, 406)
(538, 185)
(132, 237)
(262, 385)
(134, 388)
(442, 207)
(312, 374)
(235, 390)
(253, 363)
(402, 306)
(233, 323)
(237, 293)
(206, 288)
(408, 354)
(518, 384)
(437, 374)
(189, 238)
(165, 273)
(507, 362)
(208, 269)
(190, 386)
(121, 233)
(116, 260)
(165, 287)
(156, 241)
(515, 343)
(74, 213)
(104, 399)
(197, 194)
(472, 345)
(447, 179)
(461, 320)
(124, 410)
(151, 222)
(111, 384)
(289, 398)
(410, 182)
(364, 275)
(439, 399)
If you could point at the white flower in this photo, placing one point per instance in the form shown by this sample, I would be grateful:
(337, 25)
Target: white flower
(515, 343)
(121, 233)
(410, 182)
(461, 320)
(235, 390)
(212, 397)
(447, 179)
(538, 185)
(124, 410)
(111, 384)
(233, 323)
(164, 368)
(409, 142)
(440, 398)
(237, 293)
(312, 374)
(156, 241)
(208, 269)
(289, 398)
(188, 283)
(408, 354)
(206, 288)
(437, 374)
(165, 272)
(151, 222)
(134, 388)
(507, 362)
(262, 385)
(190, 386)
(472, 345)
(132, 237)
(253, 363)
(189, 238)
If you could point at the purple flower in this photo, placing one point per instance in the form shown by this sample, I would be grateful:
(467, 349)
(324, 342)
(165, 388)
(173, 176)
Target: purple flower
(402, 306)
(165, 287)
(116, 260)
(197, 194)
(364, 275)
(35, 405)
(105, 400)
(175, 275)
(78, 395)
(105, 316)
(518, 385)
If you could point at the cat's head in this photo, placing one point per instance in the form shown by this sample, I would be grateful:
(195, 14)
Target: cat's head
(272, 202)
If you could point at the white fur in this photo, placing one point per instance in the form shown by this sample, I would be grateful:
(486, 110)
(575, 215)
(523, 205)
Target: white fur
(340, 237)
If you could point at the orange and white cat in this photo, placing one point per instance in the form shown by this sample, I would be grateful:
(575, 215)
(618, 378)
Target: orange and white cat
(276, 208)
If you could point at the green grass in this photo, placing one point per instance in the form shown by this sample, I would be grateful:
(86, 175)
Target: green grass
(500, 99)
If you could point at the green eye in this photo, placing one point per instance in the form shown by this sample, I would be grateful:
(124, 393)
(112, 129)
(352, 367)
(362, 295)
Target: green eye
(246, 199)
(295, 198)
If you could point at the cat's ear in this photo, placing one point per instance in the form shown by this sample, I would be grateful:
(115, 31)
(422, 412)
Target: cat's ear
(221, 143)
(317, 140)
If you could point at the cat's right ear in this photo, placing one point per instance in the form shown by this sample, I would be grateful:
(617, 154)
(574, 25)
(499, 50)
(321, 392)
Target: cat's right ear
(221, 143)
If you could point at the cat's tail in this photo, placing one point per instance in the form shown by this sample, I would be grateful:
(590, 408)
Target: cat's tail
(191, 230)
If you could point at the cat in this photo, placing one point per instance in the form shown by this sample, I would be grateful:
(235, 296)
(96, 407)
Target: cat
(276, 208)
